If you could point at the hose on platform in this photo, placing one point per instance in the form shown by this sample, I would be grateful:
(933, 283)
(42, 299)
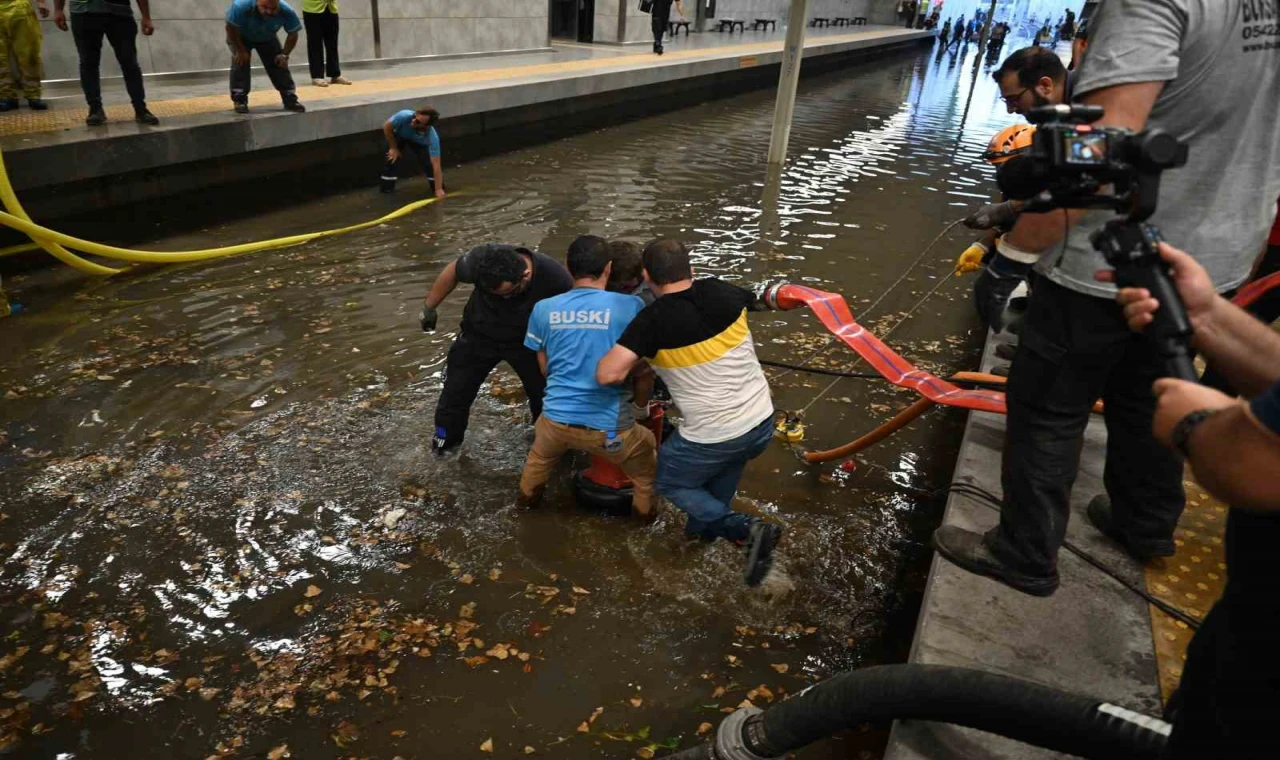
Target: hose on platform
(56, 243)
(1022, 710)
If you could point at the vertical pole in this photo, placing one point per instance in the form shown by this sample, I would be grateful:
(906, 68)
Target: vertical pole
(699, 16)
(622, 21)
(986, 35)
(377, 29)
(788, 80)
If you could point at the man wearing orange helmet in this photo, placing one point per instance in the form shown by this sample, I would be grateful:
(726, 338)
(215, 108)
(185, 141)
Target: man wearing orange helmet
(1002, 269)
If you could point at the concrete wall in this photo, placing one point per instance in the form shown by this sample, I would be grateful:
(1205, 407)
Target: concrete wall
(190, 33)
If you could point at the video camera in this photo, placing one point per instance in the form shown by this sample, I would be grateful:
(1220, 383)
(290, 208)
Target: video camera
(1074, 164)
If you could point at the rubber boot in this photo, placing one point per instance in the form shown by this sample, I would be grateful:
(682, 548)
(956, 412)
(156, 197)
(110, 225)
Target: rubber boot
(388, 184)
(8, 104)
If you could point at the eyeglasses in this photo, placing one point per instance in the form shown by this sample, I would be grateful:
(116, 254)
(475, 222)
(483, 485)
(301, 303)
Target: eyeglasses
(1012, 100)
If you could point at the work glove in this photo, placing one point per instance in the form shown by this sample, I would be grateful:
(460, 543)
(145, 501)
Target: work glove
(992, 215)
(971, 259)
(428, 318)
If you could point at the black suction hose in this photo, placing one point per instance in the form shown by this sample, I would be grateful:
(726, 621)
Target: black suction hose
(1021, 710)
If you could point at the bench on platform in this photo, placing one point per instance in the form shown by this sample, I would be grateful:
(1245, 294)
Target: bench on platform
(730, 23)
(820, 21)
(674, 27)
(839, 22)
(859, 20)
(765, 23)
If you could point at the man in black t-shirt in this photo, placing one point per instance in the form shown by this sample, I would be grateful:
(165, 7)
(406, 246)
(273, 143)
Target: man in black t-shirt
(509, 280)
(695, 335)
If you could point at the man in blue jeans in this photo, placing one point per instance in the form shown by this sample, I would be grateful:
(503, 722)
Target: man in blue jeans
(696, 337)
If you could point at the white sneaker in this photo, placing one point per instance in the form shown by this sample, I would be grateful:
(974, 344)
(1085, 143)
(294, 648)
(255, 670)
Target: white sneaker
(340, 80)
(319, 83)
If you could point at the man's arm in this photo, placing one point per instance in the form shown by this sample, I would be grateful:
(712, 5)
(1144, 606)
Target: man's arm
(1126, 105)
(1230, 452)
(239, 53)
(438, 172)
(290, 42)
(443, 286)
(144, 10)
(616, 365)
(59, 14)
(393, 145)
(542, 362)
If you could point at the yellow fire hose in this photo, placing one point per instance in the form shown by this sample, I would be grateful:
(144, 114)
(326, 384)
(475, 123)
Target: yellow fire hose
(53, 241)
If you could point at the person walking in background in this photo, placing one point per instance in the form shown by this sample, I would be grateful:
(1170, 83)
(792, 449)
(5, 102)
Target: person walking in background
(321, 20)
(957, 34)
(660, 17)
(91, 21)
(20, 36)
(415, 130)
(252, 25)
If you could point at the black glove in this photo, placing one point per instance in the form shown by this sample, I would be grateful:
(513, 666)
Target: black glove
(428, 318)
(992, 215)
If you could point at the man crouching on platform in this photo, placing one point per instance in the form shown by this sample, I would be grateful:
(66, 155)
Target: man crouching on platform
(697, 338)
(571, 333)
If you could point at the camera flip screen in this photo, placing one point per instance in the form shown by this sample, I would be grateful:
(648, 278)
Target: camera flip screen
(1085, 148)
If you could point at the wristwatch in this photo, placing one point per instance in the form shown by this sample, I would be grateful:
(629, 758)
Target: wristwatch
(1186, 426)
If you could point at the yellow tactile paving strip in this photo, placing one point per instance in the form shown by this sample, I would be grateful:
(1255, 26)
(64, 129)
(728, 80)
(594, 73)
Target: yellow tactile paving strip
(27, 122)
(1192, 580)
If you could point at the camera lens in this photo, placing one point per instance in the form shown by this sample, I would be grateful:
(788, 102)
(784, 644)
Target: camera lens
(1161, 149)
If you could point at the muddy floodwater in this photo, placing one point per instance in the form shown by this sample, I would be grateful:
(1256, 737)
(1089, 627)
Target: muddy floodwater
(223, 533)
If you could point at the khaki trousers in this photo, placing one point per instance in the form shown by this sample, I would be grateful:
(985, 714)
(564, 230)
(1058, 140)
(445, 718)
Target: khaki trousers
(638, 457)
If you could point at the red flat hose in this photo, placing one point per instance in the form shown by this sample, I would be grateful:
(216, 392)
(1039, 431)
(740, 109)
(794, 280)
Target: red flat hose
(1255, 290)
(833, 312)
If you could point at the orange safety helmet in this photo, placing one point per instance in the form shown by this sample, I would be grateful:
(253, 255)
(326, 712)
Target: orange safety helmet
(1009, 142)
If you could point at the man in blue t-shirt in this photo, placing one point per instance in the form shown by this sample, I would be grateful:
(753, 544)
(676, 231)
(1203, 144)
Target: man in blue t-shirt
(252, 25)
(571, 333)
(415, 130)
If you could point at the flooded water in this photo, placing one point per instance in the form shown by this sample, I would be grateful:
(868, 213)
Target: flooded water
(223, 531)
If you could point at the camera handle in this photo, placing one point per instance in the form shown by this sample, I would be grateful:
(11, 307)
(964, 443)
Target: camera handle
(1131, 248)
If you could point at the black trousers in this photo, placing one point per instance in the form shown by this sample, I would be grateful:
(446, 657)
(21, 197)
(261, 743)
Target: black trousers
(470, 361)
(1266, 309)
(1074, 349)
(391, 171)
(280, 77)
(659, 22)
(322, 44)
(88, 29)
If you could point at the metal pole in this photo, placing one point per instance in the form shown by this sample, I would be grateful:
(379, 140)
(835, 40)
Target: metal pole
(986, 35)
(788, 80)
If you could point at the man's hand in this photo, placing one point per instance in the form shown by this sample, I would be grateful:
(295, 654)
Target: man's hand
(44, 9)
(282, 61)
(240, 57)
(1191, 280)
(440, 193)
(60, 20)
(148, 28)
(393, 155)
(428, 318)
(993, 215)
(1176, 399)
(971, 259)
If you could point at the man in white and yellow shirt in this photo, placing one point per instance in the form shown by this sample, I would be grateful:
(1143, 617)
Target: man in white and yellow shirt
(695, 335)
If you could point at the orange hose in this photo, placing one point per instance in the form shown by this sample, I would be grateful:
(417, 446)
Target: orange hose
(904, 418)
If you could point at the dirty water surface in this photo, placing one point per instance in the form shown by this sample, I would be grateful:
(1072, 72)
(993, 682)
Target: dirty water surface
(223, 534)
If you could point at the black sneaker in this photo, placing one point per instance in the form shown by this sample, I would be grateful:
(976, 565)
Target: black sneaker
(968, 550)
(97, 117)
(36, 104)
(1006, 351)
(1099, 512)
(146, 117)
(242, 106)
(8, 104)
(295, 106)
(760, 545)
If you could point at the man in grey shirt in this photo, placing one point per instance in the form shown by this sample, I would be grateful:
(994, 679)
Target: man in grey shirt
(1207, 71)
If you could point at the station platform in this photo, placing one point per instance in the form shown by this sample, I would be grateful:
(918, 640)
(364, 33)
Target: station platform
(71, 165)
(1092, 637)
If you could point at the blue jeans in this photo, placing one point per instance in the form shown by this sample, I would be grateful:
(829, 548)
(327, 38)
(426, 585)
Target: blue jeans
(701, 479)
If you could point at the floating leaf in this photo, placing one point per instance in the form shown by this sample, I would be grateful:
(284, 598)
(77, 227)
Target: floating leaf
(312, 591)
(583, 727)
(780, 667)
(718, 693)
(467, 610)
(494, 575)
(645, 752)
(704, 728)
(580, 590)
(467, 579)
(528, 750)
(487, 746)
(636, 701)
(279, 752)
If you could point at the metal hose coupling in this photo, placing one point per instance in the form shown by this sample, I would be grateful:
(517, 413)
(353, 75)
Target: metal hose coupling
(732, 736)
(775, 296)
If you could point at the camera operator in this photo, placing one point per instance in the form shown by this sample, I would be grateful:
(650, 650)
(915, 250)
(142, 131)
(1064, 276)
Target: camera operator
(1231, 683)
(1192, 68)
